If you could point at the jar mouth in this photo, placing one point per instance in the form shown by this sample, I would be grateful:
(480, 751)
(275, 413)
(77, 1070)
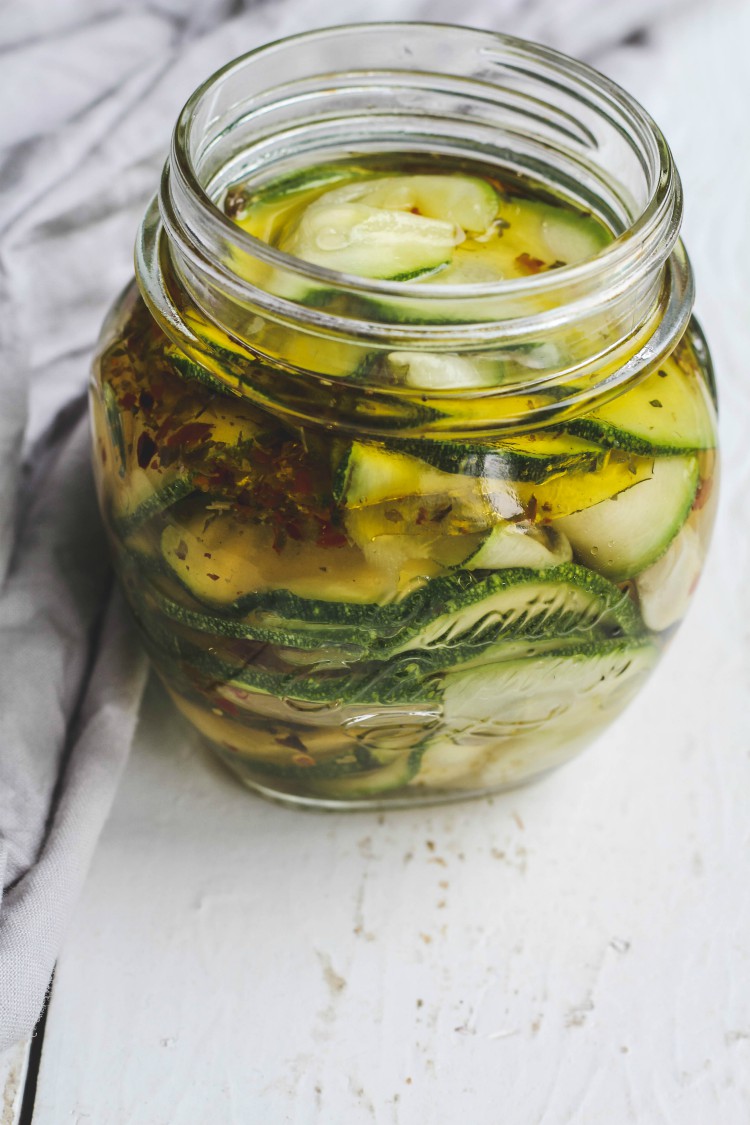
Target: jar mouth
(646, 240)
(429, 89)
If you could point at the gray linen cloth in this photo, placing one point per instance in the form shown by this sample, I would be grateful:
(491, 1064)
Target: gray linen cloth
(90, 90)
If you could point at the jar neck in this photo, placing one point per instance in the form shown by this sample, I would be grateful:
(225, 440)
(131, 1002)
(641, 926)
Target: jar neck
(518, 107)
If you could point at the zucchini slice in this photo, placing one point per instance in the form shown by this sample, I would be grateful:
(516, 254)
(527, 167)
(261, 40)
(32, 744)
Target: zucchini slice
(369, 474)
(505, 721)
(564, 236)
(443, 372)
(396, 227)
(622, 536)
(144, 497)
(666, 587)
(517, 545)
(365, 685)
(194, 372)
(224, 561)
(261, 743)
(517, 603)
(371, 783)
(465, 201)
(668, 412)
(324, 777)
(573, 491)
(406, 550)
(530, 237)
(133, 493)
(338, 778)
(370, 242)
(255, 209)
(522, 457)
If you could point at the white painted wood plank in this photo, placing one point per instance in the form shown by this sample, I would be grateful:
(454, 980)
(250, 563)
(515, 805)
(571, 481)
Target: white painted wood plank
(13, 1064)
(576, 953)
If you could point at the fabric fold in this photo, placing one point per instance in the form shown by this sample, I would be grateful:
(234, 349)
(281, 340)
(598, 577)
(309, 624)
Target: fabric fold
(74, 672)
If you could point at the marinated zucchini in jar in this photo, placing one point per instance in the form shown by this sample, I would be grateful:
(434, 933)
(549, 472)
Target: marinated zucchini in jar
(357, 616)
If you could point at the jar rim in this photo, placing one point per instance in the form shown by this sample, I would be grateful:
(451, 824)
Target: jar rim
(658, 221)
(620, 312)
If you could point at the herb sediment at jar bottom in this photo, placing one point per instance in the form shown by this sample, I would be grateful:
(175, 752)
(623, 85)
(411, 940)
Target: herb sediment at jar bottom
(350, 618)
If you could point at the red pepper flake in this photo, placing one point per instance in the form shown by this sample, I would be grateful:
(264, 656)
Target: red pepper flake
(238, 693)
(128, 401)
(422, 516)
(531, 508)
(191, 434)
(146, 400)
(303, 483)
(329, 536)
(529, 264)
(181, 550)
(221, 477)
(164, 428)
(213, 577)
(227, 706)
(303, 760)
(207, 555)
(147, 448)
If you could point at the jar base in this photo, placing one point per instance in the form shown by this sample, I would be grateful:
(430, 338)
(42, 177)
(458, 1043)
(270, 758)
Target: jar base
(381, 804)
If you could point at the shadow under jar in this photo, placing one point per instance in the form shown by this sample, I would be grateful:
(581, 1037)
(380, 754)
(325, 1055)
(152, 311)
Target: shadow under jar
(397, 539)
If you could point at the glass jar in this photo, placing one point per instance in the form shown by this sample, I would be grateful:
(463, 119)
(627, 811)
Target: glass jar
(366, 591)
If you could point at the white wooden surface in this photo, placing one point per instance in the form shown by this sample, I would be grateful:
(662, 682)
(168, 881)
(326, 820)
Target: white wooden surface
(577, 952)
(12, 1077)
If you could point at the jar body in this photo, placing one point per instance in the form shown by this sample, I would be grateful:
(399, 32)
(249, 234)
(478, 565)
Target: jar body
(389, 541)
(359, 620)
